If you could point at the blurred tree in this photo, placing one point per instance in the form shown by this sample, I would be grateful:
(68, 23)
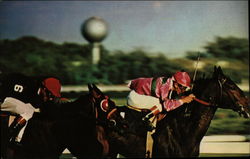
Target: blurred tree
(120, 67)
(72, 62)
(231, 53)
(230, 47)
(193, 55)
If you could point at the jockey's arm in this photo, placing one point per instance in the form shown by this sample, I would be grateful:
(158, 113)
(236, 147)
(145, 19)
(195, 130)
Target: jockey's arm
(16, 106)
(171, 104)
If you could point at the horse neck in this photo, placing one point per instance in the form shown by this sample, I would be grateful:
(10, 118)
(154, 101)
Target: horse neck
(185, 127)
(81, 106)
(201, 115)
(200, 121)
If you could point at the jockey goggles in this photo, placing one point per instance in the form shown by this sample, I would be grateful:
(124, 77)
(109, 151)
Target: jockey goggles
(183, 87)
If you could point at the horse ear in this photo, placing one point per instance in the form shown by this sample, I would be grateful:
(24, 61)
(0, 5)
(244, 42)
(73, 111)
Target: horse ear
(220, 73)
(215, 74)
(220, 70)
(90, 87)
(97, 91)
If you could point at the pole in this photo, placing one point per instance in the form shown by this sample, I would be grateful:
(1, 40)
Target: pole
(96, 53)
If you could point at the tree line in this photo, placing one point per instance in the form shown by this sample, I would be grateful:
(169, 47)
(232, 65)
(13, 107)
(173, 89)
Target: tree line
(71, 62)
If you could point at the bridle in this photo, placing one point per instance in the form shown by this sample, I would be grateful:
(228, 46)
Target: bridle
(106, 122)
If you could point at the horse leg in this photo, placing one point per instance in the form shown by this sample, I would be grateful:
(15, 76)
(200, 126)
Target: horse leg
(102, 139)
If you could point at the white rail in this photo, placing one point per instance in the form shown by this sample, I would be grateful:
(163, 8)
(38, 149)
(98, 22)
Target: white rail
(104, 88)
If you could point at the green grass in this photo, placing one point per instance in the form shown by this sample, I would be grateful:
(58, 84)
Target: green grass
(120, 101)
(228, 122)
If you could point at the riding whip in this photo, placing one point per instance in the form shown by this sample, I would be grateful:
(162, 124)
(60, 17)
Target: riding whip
(195, 72)
(196, 68)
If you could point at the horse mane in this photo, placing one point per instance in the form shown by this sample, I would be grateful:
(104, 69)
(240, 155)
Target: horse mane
(200, 84)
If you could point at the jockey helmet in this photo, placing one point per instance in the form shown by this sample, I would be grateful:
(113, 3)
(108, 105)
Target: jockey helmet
(182, 78)
(53, 85)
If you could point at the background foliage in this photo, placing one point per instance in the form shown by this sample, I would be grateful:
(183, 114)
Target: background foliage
(72, 62)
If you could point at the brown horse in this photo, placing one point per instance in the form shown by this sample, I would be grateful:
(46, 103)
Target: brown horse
(179, 134)
(78, 126)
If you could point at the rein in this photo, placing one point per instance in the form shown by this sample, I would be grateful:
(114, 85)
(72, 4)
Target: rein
(202, 102)
(111, 112)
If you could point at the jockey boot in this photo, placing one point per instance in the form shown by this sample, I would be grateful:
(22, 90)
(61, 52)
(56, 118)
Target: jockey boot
(148, 116)
(151, 112)
(147, 122)
(15, 127)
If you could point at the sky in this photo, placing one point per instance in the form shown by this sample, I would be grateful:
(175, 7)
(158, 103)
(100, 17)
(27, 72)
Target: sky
(168, 27)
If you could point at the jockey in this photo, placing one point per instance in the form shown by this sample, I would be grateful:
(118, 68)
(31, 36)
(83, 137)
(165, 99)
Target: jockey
(157, 94)
(51, 90)
(22, 95)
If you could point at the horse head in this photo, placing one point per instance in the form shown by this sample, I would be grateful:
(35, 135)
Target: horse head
(222, 92)
(108, 119)
(125, 132)
(105, 109)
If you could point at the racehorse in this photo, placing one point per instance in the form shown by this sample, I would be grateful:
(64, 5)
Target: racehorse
(77, 125)
(180, 132)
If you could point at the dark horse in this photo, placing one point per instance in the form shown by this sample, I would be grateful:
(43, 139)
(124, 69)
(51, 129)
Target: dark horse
(77, 126)
(179, 134)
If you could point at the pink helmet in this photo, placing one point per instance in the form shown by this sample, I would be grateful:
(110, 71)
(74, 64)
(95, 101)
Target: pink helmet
(182, 78)
(53, 85)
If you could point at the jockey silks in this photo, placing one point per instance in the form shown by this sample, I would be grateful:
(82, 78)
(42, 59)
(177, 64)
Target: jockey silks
(157, 87)
(21, 87)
